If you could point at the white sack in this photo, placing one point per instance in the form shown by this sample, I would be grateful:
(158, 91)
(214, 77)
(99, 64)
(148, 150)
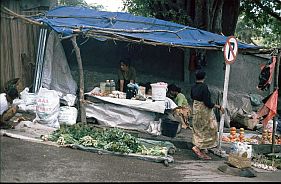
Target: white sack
(69, 99)
(67, 115)
(47, 110)
(28, 98)
(27, 108)
(3, 103)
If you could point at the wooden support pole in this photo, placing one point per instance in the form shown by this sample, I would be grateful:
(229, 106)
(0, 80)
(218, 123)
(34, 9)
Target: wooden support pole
(185, 65)
(224, 103)
(81, 76)
(276, 76)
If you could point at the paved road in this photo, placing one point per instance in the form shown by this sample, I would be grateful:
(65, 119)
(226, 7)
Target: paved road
(24, 161)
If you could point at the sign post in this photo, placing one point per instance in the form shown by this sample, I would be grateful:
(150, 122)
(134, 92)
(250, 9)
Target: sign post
(230, 53)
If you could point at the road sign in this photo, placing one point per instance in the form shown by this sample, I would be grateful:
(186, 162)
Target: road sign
(230, 50)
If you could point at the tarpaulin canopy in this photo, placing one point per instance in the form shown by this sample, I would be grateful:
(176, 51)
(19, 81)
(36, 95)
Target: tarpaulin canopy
(68, 20)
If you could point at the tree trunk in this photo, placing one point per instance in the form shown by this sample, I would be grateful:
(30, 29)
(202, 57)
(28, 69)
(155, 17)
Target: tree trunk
(217, 16)
(230, 13)
(216, 23)
(199, 15)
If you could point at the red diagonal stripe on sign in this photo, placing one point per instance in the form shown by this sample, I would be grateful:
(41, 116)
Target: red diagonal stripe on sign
(231, 49)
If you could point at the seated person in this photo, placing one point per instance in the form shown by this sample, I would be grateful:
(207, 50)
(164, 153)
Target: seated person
(6, 110)
(126, 74)
(178, 97)
(181, 113)
(169, 94)
(148, 89)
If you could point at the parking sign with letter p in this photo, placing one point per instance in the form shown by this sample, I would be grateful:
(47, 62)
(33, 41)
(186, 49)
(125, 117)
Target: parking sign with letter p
(230, 50)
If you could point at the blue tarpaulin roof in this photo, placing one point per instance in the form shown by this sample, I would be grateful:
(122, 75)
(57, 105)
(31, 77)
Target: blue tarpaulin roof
(67, 20)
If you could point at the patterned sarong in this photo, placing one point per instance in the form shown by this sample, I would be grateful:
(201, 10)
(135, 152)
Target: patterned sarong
(204, 126)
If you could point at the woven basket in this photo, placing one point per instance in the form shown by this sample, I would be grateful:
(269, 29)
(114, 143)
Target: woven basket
(239, 162)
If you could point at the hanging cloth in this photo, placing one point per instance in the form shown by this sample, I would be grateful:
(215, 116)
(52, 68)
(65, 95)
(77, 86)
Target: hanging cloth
(192, 61)
(266, 74)
(269, 109)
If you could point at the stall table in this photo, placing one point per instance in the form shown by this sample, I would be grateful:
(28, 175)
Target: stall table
(125, 113)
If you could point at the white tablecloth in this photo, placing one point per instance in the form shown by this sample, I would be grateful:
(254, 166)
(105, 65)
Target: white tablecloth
(124, 113)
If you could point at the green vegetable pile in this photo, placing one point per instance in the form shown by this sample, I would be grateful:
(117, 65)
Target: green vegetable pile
(112, 139)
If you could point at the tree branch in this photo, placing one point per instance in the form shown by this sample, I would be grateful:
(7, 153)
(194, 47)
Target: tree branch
(267, 10)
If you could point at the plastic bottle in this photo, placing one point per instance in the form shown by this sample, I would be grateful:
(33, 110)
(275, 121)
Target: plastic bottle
(112, 85)
(107, 87)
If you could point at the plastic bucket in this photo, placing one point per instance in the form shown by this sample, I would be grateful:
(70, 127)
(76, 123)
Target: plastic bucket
(159, 90)
(169, 128)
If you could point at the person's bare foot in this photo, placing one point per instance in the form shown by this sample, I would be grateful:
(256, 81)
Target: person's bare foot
(200, 154)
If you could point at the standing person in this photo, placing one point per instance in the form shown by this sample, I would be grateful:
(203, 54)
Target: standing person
(126, 74)
(178, 97)
(204, 123)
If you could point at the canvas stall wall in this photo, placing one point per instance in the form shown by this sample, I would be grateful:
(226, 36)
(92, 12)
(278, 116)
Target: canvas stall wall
(18, 42)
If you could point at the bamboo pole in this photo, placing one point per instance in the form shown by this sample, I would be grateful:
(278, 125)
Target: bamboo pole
(10, 12)
(81, 74)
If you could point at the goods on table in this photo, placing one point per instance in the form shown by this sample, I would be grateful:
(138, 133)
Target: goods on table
(265, 138)
(107, 87)
(232, 135)
(241, 136)
(112, 86)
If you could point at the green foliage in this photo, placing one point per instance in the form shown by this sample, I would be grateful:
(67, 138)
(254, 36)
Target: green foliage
(72, 2)
(139, 7)
(82, 3)
(148, 8)
(255, 23)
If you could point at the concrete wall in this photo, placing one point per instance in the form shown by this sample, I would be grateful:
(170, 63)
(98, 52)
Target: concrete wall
(244, 72)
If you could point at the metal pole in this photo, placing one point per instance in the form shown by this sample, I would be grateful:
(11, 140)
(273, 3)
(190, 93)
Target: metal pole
(42, 59)
(37, 59)
(224, 103)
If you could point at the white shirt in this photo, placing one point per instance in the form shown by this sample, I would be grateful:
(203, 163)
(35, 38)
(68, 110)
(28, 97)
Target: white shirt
(169, 103)
(3, 103)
